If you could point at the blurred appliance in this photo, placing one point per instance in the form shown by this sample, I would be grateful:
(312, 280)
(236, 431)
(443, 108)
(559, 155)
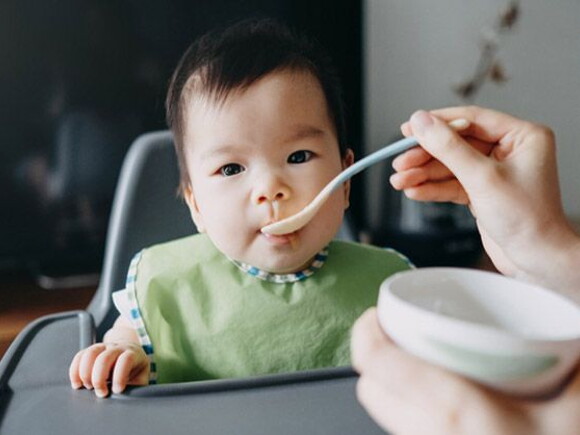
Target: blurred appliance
(429, 233)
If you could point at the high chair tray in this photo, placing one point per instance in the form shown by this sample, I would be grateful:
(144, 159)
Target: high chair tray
(36, 398)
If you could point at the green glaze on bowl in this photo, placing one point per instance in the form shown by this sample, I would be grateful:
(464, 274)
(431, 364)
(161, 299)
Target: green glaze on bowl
(491, 366)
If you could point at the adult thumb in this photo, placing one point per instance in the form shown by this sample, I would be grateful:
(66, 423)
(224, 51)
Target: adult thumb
(447, 146)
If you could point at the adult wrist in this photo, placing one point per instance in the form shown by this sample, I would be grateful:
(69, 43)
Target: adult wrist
(558, 262)
(569, 268)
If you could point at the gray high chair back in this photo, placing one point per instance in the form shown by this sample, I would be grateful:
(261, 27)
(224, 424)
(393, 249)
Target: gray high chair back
(146, 210)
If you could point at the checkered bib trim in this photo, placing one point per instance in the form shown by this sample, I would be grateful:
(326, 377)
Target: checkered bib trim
(317, 263)
(137, 319)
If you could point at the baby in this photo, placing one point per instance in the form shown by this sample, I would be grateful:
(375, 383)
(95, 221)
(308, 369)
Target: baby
(258, 123)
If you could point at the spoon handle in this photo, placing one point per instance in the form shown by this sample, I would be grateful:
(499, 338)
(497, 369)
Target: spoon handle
(386, 152)
(336, 182)
(383, 153)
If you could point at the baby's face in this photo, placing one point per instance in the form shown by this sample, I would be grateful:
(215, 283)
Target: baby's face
(271, 142)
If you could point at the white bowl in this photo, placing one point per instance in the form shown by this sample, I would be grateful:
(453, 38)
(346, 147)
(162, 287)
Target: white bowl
(515, 337)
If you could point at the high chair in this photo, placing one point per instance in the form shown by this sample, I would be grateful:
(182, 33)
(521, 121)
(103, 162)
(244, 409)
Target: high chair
(35, 393)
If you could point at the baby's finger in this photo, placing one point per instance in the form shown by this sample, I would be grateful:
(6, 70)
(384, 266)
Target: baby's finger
(122, 371)
(442, 191)
(102, 369)
(73, 371)
(87, 361)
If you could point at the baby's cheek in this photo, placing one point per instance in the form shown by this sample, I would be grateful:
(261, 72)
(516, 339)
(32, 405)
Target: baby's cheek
(231, 239)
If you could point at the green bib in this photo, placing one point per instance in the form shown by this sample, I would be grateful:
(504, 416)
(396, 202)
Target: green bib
(208, 319)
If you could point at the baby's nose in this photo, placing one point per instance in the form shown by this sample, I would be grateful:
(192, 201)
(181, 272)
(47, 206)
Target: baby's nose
(269, 198)
(271, 189)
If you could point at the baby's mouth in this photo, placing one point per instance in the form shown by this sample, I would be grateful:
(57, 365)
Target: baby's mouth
(280, 239)
(289, 239)
(274, 213)
(277, 216)
(272, 235)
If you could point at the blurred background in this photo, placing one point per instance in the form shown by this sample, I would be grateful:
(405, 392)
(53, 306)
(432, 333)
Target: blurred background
(521, 57)
(80, 79)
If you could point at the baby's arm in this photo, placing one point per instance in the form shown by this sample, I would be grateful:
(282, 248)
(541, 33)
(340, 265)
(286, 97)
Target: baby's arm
(119, 358)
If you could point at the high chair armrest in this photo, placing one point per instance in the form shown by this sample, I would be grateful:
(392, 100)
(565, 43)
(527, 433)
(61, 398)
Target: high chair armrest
(42, 352)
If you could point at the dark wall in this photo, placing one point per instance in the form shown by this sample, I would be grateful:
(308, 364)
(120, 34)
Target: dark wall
(79, 79)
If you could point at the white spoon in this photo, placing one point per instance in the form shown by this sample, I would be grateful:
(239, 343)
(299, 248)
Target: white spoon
(298, 220)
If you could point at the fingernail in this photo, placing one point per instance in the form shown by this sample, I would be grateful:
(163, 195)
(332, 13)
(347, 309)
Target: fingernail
(101, 393)
(420, 120)
(76, 385)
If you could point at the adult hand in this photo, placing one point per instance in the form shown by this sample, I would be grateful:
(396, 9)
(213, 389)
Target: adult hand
(505, 169)
(406, 395)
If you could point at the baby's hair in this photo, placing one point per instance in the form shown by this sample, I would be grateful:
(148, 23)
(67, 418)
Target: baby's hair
(233, 58)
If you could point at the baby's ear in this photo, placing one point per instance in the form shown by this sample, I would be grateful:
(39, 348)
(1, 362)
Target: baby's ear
(347, 161)
(193, 209)
(348, 158)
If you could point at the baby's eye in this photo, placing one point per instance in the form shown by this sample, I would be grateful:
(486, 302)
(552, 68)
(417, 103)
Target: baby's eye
(300, 156)
(231, 169)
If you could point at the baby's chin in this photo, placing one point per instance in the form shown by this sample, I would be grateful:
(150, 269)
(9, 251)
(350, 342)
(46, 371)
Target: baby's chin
(283, 269)
(274, 258)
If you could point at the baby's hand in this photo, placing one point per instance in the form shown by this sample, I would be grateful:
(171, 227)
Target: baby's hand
(123, 363)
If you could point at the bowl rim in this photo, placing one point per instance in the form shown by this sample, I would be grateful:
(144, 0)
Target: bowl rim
(493, 332)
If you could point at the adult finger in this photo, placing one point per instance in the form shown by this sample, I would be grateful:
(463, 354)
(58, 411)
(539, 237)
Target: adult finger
(560, 414)
(433, 171)
(410, 159)
(418, 156)
(376, 355)
(441, 191)
(485, 124)
(367, 338)
(447, 146)
(572, 390)
(394, 384)
(393, 412)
